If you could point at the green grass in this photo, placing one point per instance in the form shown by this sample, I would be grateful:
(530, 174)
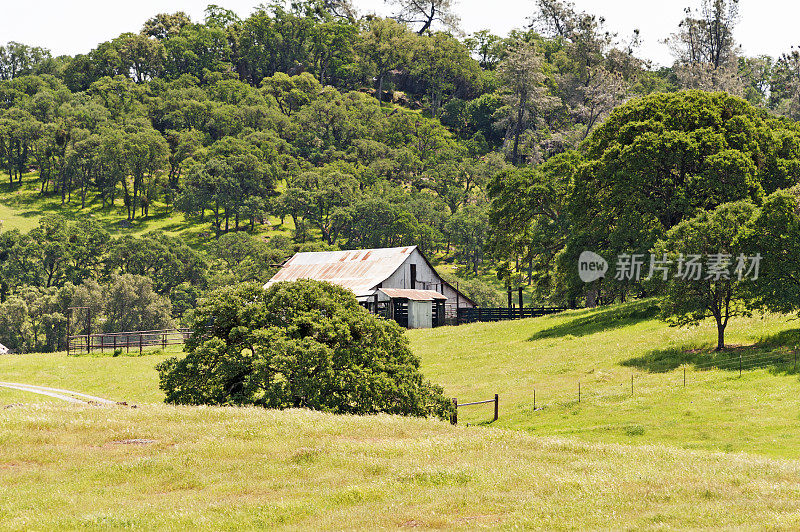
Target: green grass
(21, 207)
(603, 349)
(720, 453)
(67, 467)
(13, 397)
(718, 410)
(124, 378)
(488, 277)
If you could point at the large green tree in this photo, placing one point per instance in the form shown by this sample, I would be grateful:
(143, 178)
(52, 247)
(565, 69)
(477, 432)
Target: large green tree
(305, 344)
(384, 46)
(775, 235)
(712, 268)
(662, 159)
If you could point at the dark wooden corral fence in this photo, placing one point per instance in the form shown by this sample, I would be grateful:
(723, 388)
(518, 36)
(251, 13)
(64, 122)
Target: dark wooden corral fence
(470, 315)
(136, 340)
(457, 405)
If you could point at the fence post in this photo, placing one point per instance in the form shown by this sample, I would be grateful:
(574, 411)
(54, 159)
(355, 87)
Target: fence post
(164, 343)
(496, 406)
(579, 391)
(458, 304)
(88, 330)
(69, 319)
(534, 399)
(454, 419)
(140, 344)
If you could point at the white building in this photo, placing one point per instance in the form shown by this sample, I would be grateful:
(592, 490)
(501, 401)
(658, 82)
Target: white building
(398, 283)
(4, 350)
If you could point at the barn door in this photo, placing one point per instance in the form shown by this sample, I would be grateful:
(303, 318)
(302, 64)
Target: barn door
(400, 311)
(438, 313)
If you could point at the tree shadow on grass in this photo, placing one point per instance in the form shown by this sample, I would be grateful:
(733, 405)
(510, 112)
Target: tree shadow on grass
(778, 353)
(593, 321)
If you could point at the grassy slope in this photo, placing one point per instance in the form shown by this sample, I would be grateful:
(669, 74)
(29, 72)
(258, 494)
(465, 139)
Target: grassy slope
(22, 207)
(602, 349)
(125, 378)
(489, 278)
(717, 410)
(250, 468)
(210, 468)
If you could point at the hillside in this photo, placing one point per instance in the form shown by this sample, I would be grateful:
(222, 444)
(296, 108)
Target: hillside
(22, 206)
(193, 468)
(651, 459)
(602, 349)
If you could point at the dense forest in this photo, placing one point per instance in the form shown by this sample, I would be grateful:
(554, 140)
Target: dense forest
(501, 155)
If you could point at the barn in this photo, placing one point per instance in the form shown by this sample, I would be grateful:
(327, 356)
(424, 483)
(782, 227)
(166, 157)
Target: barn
(397, 283)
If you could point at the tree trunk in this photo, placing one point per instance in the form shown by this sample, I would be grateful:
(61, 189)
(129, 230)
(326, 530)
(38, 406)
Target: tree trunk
(720, 335)
(428, 20)
(517, 132)
(591, 297)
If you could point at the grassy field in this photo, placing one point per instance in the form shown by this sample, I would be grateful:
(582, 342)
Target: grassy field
(66, 467)
(22, 206)
(123, 378)
(602, 349)
(720, 452)
(717, 410)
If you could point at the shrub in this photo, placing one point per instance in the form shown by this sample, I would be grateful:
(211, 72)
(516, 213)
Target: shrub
(304, 344)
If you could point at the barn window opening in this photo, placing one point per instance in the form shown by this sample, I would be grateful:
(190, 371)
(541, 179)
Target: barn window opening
(413, 276)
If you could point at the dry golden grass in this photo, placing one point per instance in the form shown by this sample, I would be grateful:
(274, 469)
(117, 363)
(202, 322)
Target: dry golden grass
(70, 467)
(616, 460)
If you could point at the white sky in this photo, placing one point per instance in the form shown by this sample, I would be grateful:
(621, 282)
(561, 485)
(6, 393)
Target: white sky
(76, 26)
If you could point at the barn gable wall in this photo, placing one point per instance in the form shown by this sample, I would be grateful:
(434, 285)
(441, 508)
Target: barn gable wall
(427, 279)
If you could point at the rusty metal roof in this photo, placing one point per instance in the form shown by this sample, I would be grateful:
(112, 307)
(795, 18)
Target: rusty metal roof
(360, 270)
(414, 295)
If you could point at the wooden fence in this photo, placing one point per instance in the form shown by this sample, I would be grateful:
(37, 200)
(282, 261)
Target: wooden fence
(83, 343)
(470, 315)
(457, 405)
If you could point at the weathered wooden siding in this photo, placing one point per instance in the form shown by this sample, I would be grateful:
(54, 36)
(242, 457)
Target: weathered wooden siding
(427, 279)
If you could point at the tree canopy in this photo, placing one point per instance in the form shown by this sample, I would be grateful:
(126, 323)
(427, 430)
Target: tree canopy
(664, 158)
(305, 344)
(309, 125)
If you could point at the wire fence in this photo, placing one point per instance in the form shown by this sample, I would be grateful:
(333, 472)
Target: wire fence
(609, 386)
